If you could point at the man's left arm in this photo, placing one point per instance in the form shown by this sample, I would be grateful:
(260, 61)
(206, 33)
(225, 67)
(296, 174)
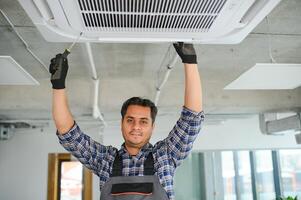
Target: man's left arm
(193, 88)
(180, 139)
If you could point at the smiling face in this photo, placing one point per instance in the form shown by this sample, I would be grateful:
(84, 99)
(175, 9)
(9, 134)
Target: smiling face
(137, 126)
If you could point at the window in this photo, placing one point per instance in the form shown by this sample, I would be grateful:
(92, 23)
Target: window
(71, 180)
(228, 174)
(264, 175)
(244, 175)
(188, 181)
(290, 164)
(236, 173)
(68, 180)
(241, 175)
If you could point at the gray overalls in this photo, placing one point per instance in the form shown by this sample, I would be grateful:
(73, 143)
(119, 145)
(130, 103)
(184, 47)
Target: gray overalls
(146, 187)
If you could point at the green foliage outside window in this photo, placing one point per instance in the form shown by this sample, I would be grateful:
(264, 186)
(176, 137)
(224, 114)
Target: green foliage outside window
(288, 198)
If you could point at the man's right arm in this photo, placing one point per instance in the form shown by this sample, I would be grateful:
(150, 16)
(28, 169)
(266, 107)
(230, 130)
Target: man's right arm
(60, 111)
(92, 154)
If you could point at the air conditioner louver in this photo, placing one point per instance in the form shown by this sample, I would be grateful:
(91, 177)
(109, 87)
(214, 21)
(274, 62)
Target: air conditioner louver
(203, 21)
(149, 15)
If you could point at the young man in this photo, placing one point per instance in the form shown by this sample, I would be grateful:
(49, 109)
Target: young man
(138, 170)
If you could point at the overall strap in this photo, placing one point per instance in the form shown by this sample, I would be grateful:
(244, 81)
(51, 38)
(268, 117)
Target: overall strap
(148, 165)
(117, 165)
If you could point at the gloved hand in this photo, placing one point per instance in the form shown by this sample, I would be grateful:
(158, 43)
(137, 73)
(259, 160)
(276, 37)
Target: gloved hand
(186, 52)
(58, 69)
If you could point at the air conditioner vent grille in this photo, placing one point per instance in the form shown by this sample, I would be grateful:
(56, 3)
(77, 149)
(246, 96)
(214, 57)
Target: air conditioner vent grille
(150, 15)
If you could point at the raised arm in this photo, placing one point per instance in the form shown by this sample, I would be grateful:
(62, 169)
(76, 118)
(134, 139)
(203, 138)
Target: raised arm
(193, 88)
(180, 140)
(60, 110)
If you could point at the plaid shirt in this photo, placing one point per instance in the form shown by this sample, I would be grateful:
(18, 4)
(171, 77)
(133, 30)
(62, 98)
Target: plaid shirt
(167, 153)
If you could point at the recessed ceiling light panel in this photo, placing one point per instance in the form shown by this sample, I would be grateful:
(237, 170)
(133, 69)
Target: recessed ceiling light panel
(268, 76)
(11, 73)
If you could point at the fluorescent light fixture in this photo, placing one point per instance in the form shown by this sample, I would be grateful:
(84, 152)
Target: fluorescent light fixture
(11, 73)
(268, 76)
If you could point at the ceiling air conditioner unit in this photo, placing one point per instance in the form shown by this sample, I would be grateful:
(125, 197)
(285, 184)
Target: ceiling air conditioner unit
(197, 21)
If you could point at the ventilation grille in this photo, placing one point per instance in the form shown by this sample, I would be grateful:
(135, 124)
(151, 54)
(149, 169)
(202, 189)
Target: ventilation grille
(150, 15)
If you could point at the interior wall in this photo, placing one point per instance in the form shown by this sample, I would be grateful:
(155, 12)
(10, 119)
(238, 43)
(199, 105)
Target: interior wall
(23, 158)
(233, 134)
(24, 164)
(240, 134)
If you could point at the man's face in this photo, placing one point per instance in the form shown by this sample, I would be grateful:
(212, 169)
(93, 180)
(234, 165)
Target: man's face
(137, 126)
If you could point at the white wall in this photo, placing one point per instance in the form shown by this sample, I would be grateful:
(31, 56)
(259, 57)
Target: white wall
(24, 165)
(238, 133)
(23, 159)
(242, 134)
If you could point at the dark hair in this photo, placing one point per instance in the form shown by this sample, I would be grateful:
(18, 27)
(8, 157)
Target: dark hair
(140, 102)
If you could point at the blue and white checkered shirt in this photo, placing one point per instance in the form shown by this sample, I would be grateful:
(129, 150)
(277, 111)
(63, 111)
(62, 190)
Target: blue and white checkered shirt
(167, 153)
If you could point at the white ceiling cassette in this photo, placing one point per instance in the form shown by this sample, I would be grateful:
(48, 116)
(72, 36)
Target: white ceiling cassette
(197, 21)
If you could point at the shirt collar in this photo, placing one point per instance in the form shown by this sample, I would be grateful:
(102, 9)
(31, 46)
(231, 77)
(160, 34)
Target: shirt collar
(147, 147)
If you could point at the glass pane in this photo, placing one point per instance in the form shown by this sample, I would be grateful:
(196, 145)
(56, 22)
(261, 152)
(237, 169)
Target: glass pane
(71, 180)
(188, 180)
(228, 175)
(264, 175)
(244, 172)
(290, 165)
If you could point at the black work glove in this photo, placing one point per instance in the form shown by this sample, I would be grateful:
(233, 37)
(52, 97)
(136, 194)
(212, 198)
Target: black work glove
(58, 69)
(186, 52)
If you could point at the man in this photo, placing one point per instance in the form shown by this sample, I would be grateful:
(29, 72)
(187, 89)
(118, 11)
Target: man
(138, 170)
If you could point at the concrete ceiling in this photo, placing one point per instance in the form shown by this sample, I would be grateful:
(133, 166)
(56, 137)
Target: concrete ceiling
(127, 70)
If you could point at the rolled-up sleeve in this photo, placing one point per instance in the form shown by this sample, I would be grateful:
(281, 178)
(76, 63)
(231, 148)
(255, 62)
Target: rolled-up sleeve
(181, 137)
(89, 152)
